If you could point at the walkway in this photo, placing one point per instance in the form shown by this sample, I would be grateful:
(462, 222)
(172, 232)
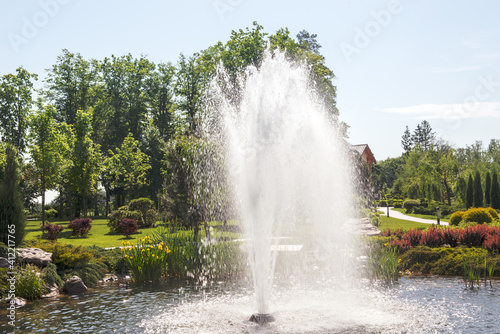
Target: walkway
(399, 215)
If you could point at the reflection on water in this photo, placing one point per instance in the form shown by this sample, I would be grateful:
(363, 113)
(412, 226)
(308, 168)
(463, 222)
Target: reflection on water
(413, 305)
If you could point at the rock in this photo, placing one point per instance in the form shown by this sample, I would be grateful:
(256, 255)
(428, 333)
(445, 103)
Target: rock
(16, 301)
(54, 292)
(34, 255)
(112, 278)
(4, 263)
(74, 285)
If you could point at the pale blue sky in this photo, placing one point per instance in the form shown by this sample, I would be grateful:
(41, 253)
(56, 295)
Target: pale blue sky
(396, 62)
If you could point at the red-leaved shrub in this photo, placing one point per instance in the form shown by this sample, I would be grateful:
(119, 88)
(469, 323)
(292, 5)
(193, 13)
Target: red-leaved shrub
(128, 226)
(473, 236)
(413, 237)
(80, 227)
(433, 237)
(52, 231)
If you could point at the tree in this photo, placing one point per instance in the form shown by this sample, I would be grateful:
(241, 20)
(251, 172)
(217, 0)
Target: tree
(308, 41)
(15, 105)
(12, 219)
(423, 136)
(469, 201)
(127, 167)
(47, 149)
(406, 141)
(69, 84)
(461, 190)
(487, 189)
(495, 192)
(478, 191)
(85, 157)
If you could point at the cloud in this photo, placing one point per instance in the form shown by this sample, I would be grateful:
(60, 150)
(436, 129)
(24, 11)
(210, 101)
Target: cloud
(478, 110)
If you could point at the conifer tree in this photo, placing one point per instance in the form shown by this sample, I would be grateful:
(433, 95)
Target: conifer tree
(487, 190)
(469, 201)
(12, 219)
(478, 191)
(495, 192)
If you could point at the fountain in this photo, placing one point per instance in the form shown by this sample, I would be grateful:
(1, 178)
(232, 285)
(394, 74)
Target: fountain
(289, 168)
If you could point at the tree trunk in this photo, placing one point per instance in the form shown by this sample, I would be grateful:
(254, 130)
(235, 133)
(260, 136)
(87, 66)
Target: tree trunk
(107, 201)
(84, 206)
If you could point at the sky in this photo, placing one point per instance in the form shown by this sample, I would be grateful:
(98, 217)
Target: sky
(397, 62)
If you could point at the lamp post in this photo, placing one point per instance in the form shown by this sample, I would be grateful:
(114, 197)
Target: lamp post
(438, 215)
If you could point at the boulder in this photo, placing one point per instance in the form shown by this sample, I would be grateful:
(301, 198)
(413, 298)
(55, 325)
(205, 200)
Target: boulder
(74, 285)
(34, 255)
(53, 291)
(16, 301)
(4, 263)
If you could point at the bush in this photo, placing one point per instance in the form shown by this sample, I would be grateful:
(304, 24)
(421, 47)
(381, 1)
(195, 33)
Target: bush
(493, 213)
(492, 242)
(90, 272)
(117, 216)
(456, 217)
(478, 215)
(28, 284)
(80, 227)
(146, 207)
(473, 236)
(128, 227)
(433, 237)
(50, 276)
(409, 204)
(146, 261)
(398, 204)
(52, 231)
(66, 256)
(413, 237)
(50, 213)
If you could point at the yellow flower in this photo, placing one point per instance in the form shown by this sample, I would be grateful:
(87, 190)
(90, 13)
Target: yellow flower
(167, 250)
(161, 243)
(385, 245)
(157, 257)
(160, 247)
(142, 250)
(399, 261)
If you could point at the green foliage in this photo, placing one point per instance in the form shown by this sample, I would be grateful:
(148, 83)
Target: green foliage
(487, 189)
(493, 213)
(117, 216)
(382, 263)
(478, 191)
(456, 217)
(146, 207)
(147, 261)
(469, 202)
(477, 215)
(90, 272)
(28, 284)
(409, 204)
(50, 276)
(65, 256)
(495, 192)
(12, 219)
(4, 284)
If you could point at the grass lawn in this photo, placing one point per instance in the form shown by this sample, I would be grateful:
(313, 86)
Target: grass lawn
(394, 224)
(433, 217)
(99, 234)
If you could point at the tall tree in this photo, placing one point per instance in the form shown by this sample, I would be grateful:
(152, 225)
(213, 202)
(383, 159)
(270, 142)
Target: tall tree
(423, 136)
(406, 141)
(85, 157)
(69, 84)
(495, 192)
(127, 167)
(308, 41)
(460, 190)
(478, 191)
(47, 149)
(487, 189)
(15, 104)
(12, 219)
(469, 201)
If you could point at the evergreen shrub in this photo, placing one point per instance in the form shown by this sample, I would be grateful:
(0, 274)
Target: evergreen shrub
(117, 216)
(409, 204)
(456, 217)
(478, 215)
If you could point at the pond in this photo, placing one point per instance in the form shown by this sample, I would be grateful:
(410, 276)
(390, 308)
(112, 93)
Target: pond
(412, 305)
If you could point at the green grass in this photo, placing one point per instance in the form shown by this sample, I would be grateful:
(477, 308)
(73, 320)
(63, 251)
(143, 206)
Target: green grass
(394, 224)
(99, 234)
(432, 217)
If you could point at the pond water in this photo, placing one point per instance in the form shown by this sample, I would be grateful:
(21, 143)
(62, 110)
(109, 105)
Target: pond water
(412, 305)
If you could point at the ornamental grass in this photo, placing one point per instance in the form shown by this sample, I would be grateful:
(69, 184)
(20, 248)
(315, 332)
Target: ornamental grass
(147, 261)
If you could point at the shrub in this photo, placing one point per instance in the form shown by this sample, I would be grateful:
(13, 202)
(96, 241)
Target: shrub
(52, 231)
(398, 204)
(80, 227)
(433, 237)
(66, 256)
(50, 213)
(128, 227)
(409, 204)
(450, 236)
(413, 237)
(492, 242)
(146, 207)
(28, 284)
(117, 216)
(50, 276)
(90, 272)
(473, 236)
(146, 261)
(493, 213)
(478, 215)
(456, 217)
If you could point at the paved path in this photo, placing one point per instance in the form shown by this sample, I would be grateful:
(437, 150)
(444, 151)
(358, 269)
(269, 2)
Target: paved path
(399, 215)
